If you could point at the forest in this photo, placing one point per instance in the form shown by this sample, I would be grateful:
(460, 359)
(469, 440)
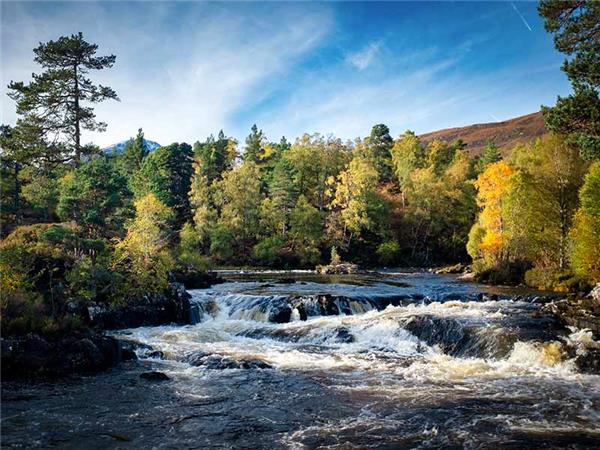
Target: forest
(80, 224)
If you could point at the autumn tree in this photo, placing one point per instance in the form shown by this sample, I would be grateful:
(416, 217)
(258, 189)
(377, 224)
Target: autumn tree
(488, 238)
(143, 255)
(586, 230)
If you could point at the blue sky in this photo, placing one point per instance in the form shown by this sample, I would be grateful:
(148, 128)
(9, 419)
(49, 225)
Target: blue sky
(188, 69)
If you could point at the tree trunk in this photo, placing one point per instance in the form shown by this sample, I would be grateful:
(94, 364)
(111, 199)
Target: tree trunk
(77, 119)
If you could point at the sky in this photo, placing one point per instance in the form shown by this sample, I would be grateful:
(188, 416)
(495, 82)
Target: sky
(185, 70)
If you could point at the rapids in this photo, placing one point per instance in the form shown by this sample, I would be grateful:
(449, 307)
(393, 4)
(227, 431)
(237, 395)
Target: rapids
(291, 360)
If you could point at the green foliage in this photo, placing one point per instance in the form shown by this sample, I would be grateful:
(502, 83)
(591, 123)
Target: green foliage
(575, 28)
(133, 154)
(379, 145)
(221, 243)
(93, 196)
(269, 251)
(254, 145)
(167, 173)
(586, 230)
(40, 266)
(388, 252)
(189, 257)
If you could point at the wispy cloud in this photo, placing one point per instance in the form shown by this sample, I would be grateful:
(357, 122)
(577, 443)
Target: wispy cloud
(521, 16)
(182, 70)
(365, 57)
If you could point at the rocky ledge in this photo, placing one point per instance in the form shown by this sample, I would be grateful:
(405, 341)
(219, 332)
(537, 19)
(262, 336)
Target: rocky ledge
(36, 356)
(339, 269)
(173, 306)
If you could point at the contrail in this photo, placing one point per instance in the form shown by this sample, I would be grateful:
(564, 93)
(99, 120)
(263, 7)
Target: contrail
(521, 16)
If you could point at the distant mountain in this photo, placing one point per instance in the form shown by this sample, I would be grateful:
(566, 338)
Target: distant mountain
(504, 134)
(119, 147)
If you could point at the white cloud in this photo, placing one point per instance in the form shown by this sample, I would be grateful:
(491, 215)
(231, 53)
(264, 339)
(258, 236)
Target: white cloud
(180, 74)
(365, 57)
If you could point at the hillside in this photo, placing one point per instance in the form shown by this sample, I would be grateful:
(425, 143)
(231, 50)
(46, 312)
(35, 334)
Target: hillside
(505, 134)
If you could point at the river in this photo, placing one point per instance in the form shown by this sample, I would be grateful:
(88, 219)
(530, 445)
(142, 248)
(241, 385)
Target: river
(294, 361)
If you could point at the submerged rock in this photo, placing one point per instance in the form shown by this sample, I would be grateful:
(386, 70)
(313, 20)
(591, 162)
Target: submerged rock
(154, 376)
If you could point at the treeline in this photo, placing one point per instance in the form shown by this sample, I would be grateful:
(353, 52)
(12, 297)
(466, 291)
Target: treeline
(82, 226)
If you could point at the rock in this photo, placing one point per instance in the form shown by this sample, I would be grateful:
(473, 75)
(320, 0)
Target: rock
(172, 306)
(589, 362)
(220, 362)
(595, 293)
(285, 281)
(197, 279)
(339, 269)
(280, 313)
(35, 356)
(154, 376)
(454, 269)
(577, 312)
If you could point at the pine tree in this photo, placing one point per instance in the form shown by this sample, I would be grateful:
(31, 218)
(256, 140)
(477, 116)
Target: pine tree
(58, 95)
(134, 153)
(575, 28)
(254, 145)
(379, 145)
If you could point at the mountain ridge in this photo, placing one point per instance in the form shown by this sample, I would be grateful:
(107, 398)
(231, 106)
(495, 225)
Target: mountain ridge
(505, 134)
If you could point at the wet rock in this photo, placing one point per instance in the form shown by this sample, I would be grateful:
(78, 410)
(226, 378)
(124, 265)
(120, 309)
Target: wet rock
(219, 362)
(173, 306)
(577, 312)
(589, 362)
(280, 313)
(344, 335)
(285, 281)
(36, 356)
(154, 376)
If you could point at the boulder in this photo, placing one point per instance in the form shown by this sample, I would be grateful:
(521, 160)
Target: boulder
(220, 362)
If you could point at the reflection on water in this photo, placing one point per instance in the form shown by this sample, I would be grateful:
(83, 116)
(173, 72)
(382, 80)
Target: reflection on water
(394, 361)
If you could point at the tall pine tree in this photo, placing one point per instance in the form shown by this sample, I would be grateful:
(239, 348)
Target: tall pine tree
(57, 97)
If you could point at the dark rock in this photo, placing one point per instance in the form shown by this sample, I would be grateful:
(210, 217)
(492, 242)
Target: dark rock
(285, 281)
(595, 293)
(219, 362)
(197, 279)
(34, 356)
(154, 376)
(173, 306)
(344, 335)
(589, 362)
(280, 313)
(577, 312)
